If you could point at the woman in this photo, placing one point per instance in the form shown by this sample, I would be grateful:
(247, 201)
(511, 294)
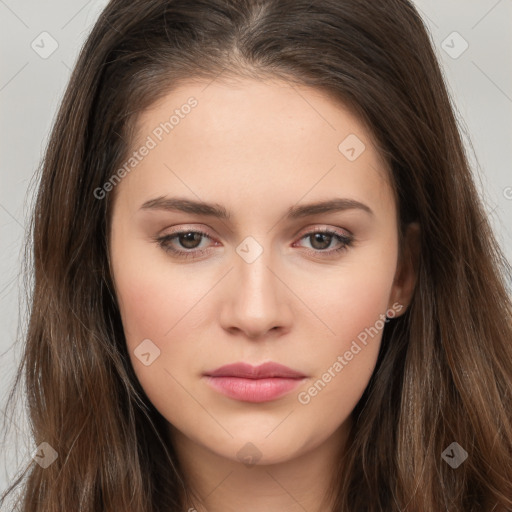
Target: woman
(264, 279)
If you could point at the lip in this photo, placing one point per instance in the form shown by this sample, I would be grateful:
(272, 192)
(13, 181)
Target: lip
(247, 383)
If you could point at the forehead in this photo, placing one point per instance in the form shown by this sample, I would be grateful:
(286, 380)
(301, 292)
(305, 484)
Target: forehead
(258, 138)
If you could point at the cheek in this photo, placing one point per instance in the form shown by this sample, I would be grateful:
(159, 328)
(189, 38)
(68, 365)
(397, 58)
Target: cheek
(345, 361)
(162, 306)
(353, 296)
(154, 295)
(165, 308)
(152, 299)
(354, 308)
(361, 303)
(148, 304)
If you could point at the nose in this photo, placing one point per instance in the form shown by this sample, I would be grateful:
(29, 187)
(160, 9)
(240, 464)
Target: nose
(256, 300)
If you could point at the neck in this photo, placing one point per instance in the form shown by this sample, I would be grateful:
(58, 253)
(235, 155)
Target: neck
(221, 484)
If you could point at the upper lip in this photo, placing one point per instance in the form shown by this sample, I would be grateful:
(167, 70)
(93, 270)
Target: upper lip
(263, 371)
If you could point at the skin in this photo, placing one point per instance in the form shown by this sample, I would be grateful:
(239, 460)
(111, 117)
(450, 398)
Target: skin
(257, 148)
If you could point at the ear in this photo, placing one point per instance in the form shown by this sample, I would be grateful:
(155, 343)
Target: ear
(407, 269)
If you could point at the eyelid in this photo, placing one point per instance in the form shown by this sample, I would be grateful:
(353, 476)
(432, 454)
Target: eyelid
(345, 240)
(322, 228)
(180, 228)
(184, 228)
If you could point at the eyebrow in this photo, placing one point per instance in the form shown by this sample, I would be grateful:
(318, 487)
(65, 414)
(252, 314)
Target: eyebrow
(218, 211)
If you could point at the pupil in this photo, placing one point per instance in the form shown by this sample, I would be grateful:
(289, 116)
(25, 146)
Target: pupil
(189, 239)
(319, 236)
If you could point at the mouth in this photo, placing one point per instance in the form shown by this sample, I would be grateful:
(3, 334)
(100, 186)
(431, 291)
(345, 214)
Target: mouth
(247, 383)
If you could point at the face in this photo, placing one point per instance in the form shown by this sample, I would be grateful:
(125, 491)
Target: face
(220, 257)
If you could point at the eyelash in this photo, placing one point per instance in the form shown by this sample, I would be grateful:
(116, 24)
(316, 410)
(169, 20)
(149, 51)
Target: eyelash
(163, 242)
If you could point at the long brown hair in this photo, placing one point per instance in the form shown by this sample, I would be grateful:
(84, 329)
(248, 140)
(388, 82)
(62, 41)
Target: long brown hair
(444, 372)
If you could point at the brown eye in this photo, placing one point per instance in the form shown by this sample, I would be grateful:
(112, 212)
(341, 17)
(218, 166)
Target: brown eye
(189, 240)
(184, 244)
(321, 240)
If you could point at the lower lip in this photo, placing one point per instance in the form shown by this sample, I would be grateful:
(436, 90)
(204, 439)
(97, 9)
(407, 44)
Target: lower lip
(253, 390)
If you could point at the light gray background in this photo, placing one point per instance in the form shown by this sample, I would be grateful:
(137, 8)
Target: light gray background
(31, 87)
